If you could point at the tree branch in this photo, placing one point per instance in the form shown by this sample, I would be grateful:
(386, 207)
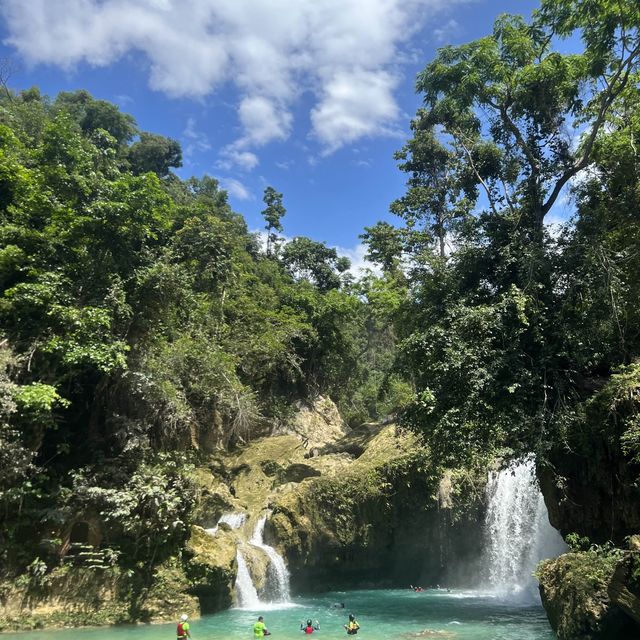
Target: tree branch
(477, 174)
(615, 86)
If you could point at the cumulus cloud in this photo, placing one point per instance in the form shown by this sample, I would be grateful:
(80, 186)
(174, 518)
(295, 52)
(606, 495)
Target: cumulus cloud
(231, 157)
(345, 54)
(196, 141)
(235, 188)
(355, 104)
(359, 262)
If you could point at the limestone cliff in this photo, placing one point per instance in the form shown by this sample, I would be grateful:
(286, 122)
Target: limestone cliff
(362, 507)
(590, 484)
(380, 514)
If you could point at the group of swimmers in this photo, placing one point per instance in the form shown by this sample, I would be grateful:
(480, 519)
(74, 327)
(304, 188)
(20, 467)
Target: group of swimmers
(308, 627)
(260, 629)
(436, 588)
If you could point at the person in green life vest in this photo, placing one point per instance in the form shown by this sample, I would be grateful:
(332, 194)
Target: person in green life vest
(183, 628)
(260, 630)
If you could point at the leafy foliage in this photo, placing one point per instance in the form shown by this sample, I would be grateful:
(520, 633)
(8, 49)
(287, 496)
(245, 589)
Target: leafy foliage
(138, 316)
(509, 329)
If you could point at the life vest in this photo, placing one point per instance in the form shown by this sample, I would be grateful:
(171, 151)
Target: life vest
(308, 629)
(180, 632)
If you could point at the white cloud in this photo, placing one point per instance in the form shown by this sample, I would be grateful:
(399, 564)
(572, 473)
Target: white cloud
(235, 188)
(359, 263)
(263, 121)
(449, 31)
(196, 140)
(232, 157)
(355, 104)
(344, 54)
(123, 99)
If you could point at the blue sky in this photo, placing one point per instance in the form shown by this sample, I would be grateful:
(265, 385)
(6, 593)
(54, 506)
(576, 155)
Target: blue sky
(310, 96)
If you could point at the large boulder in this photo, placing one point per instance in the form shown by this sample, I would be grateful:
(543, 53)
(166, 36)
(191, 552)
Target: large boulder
(624, 587)
(575, 594)
(211, 567)
(316, 423)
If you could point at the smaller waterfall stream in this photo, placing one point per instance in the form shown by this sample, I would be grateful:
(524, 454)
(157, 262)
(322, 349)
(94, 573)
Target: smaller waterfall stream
(234, 519)
(517, 531)
(277, 564)
(247, 594)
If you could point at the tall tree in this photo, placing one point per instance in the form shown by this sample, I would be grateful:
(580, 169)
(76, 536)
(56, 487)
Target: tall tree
(314, 261)
(435, 202)
(510, 95)
(273, 214)
(511, 121)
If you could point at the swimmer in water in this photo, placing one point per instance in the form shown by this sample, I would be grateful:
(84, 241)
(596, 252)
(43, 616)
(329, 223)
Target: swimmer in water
(309, 627)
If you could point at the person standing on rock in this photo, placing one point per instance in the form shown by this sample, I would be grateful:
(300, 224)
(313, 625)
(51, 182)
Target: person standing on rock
(260, 630)
(183, 628)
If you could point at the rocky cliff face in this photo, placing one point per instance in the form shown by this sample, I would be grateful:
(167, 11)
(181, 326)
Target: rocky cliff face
(363, 507)
(591, 488)
(379, 515)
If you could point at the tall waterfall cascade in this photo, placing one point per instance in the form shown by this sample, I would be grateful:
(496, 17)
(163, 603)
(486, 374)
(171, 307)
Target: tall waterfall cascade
(517, 532)
(247, 594)
(277, 565)
(235, 520)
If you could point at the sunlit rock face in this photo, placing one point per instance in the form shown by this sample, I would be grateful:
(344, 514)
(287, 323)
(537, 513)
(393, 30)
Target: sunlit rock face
(317, 423)
(377, 516)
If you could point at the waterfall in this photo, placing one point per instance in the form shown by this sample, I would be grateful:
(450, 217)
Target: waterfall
(234, 519)
(247, 594)
(517, 531)
(277, 564)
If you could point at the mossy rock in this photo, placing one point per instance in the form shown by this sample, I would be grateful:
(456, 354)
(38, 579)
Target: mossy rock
(299, 472)
(70, 597)
(168, 596)
(624, 587)
(574, 591)
(258, 566)
(214, 497)
(210, 565)
(211, 552)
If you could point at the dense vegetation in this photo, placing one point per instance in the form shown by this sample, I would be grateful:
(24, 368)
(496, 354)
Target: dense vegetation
(512, 322)
(143, 325)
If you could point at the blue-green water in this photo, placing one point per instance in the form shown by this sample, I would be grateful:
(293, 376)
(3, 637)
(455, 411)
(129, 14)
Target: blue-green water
(382, 614)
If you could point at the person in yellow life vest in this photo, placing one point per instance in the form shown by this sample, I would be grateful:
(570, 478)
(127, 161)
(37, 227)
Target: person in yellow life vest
(352, 626)
(260, 630)
(183, 628)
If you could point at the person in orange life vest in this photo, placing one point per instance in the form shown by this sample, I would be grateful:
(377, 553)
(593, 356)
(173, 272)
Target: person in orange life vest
(183, 628)
(309, 627)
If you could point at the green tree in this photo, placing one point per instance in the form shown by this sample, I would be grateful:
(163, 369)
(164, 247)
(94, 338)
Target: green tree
(482, 335)
(273, 214)
(315, 262)
(435, 204)
(154, 153)
(92, 114)
(385, 246)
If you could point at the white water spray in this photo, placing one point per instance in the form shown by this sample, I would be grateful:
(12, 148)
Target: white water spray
(517, 531)
(234, 519)
(247, 594)
(277, 563)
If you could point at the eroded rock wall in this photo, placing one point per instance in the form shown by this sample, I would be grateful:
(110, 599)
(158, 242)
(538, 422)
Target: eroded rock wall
(590, 483)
